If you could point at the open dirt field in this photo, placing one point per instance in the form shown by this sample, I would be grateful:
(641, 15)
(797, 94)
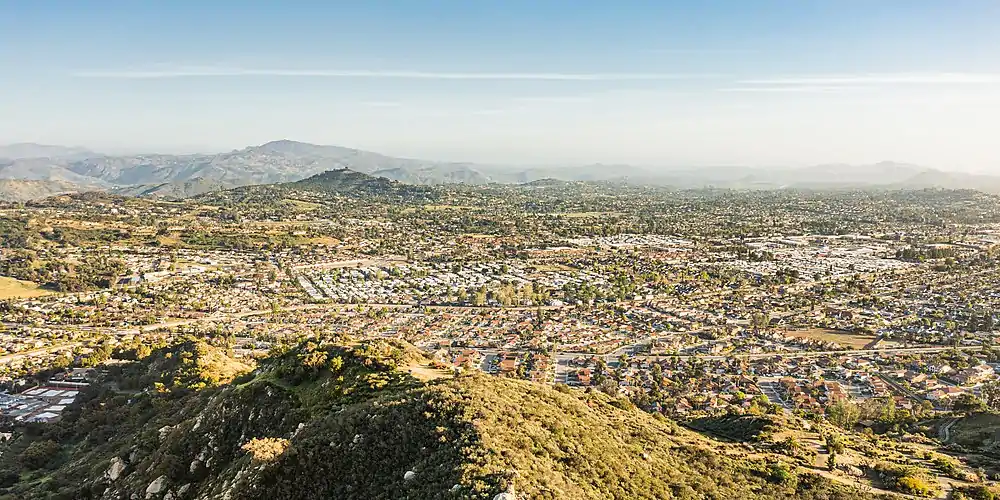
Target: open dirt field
(11, 288)
(846, 339)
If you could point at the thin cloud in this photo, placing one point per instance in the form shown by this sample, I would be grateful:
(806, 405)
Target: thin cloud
(554, 99)
(415, 75)
(880, 79)
(382, 104)
(807, 89)
(700, 51)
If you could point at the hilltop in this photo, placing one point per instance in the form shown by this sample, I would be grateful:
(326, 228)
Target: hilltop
(332, 183)
(351, 421)
(347, 181)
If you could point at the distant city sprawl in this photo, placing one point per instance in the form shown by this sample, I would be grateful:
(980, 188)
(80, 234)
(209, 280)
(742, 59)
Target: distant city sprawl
(854, 308)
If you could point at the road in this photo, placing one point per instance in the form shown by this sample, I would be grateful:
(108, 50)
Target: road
(7, 358)
(900, 389)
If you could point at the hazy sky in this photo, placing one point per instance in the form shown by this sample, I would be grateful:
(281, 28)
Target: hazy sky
(761, 82)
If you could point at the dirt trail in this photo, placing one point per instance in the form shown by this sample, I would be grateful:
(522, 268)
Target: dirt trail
(945, 433)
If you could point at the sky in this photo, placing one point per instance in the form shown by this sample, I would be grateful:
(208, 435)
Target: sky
(654, 83)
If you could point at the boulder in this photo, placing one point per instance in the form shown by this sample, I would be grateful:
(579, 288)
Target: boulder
(116, 469)
(156, 486)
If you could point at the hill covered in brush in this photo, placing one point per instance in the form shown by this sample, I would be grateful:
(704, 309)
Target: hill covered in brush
(367, 421)
(342, 183)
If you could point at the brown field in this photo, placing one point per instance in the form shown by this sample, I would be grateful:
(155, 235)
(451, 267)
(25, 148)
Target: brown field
(303, 205)
(168, 241)
(846, 339)
(324, 240)
(11, 288)
(426, 373)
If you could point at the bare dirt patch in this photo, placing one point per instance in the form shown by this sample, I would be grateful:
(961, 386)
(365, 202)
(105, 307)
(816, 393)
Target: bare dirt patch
(846, 339)
(426, 372)
(11, 288)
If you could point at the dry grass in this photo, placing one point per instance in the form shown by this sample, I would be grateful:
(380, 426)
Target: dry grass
(220, 368)
(426, 373)
(303, 205)
(11, 288)
(324, 240)
(846, 339)
(168, 241)
(266, 449)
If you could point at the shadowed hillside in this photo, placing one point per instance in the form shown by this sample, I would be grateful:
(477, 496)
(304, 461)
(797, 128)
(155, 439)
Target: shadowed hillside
(329, 421)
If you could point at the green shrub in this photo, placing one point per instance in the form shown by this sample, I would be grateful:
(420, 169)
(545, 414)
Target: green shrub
(38, 454)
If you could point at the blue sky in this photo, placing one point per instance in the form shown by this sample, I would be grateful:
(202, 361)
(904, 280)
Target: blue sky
(658, 83)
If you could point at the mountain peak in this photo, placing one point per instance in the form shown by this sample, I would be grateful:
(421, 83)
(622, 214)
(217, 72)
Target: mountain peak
(285, 144)
(339, 175)
(296, 148)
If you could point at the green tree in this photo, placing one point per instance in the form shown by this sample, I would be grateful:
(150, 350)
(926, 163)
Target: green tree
(38, 454)
(843, 414)
(968, 403)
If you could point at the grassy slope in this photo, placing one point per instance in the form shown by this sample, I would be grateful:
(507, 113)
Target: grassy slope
(977, 431)
(357, 425)
(475, 436)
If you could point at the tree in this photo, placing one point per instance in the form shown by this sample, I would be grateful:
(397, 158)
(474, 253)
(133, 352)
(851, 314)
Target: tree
(991, 395)
(833, 444)
(843, 414)
(608, 386)
(38, 454)
(480, 298)
(968, 403)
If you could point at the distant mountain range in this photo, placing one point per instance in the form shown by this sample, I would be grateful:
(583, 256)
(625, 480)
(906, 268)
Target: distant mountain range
(28, 150)
(177, 176)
